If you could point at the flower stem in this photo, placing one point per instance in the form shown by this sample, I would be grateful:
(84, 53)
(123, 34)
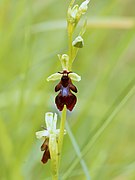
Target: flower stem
(70, 34)
(62, 126)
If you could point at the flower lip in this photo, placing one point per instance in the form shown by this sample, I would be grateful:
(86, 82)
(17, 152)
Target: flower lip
(65, 86)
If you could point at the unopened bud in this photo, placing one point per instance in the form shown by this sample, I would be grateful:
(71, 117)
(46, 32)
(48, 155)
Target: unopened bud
(78, 42)
(84, 6)
(74, 11)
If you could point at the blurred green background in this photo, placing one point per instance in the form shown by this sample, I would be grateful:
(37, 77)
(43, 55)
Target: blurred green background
(100, 142)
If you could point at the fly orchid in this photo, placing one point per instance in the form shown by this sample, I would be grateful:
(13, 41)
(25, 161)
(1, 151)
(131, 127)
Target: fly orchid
(65, 86)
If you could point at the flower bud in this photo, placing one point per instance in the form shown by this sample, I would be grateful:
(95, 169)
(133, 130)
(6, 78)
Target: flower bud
(74, 11)
(84, 6)
(78, 42)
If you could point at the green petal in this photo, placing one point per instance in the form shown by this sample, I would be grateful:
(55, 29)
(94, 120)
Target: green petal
(75, 77)
(54, 77)
(41, 134)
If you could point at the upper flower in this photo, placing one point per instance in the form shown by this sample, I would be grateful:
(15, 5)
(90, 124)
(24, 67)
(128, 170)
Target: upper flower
(75, 12)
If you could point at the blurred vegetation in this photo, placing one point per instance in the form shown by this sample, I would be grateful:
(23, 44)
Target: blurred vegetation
(101, 135)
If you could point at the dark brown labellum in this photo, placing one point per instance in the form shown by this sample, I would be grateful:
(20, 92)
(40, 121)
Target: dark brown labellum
(65, 96)
(45, 148)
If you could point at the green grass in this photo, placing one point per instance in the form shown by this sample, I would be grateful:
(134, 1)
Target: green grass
(100, 139)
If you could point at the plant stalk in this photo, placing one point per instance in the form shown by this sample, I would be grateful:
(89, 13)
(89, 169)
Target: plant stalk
(70, 34)
(62, 127)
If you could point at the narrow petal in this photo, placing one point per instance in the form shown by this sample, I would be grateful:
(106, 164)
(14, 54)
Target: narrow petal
(40, 134)
(74, 77)
(54, 77)
(54, 122)
(49, 120)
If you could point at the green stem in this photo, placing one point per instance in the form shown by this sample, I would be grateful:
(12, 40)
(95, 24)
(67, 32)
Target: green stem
(70, 29)
(62, 126)
(70, 34)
